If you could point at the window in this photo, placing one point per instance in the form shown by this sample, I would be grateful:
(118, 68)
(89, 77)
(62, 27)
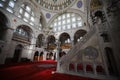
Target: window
(63, 22)
(8, 5)
(27, 14)
(68, 26)
(63, 17)
(19, 16)
(74, 25)
(67, 21)
(79, 24)
(59, 18)
(68, 15)
(9, 10)
(31, 24)
(73, 19)
(1, 4)
(21, 11)
(32, 19)
(55, 29)
(59, 23)
(59, 28)
(33, 14)
(25, 19)
(28, 8)
(11, 4)
(21, 31)
(63, 28)
(55, 24)
(78, 18)
(40, 25)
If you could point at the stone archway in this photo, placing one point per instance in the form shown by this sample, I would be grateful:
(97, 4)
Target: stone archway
(17, 53)
(51, 42)
(36, 56)
(41, 56)
(110, 61)
(78, 35)
(39, 42)
(61, 54)
(23, 32)
(65, 41)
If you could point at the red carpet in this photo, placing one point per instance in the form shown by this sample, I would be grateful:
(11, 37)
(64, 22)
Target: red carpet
(35, 71)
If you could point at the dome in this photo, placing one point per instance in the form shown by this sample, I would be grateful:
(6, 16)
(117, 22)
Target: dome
(56, 5)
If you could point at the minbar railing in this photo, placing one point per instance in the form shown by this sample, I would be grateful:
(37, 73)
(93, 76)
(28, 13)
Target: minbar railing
(76, 48)
(89, 69)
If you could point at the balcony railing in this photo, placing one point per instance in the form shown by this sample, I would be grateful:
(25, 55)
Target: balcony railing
(21, 38)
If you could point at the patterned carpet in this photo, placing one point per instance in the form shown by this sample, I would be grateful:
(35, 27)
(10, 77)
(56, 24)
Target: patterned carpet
(35, 71)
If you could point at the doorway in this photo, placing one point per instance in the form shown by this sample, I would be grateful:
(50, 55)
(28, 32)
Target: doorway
(17, 53)
(36, 56)
(41, 56)
(110, 61)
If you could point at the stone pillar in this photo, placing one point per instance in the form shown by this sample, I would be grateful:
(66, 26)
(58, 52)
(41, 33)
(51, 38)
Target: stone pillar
(57, 54)
(84, 68)
(6, 46)
(94, 68)
(45, 42)
(58, 50)
(75, 65)
(32, 48)
(101, 46)
(72, 42)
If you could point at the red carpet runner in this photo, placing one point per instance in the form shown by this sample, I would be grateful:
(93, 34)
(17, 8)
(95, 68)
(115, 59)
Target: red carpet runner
(35, 71)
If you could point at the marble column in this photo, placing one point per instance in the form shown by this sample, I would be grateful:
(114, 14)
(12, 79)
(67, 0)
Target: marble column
(57, 54)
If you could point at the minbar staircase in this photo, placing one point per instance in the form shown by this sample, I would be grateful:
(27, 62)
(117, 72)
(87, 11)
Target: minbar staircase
(70, 65)
(65, 60)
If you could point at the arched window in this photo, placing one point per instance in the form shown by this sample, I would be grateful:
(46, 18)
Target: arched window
(21, 31)
(8, 5)
(66, 21)
(26, 14)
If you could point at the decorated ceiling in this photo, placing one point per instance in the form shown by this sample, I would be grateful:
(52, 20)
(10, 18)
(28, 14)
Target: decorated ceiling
(56, 5)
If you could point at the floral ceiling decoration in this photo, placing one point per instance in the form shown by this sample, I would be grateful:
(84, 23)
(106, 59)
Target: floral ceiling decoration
(56, 5)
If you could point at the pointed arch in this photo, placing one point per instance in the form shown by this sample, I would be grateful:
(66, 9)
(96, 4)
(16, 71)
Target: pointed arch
(78, 35)
(39, 41)
(65, 40)
(17, 53)
(23, 33)
(51, 42)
